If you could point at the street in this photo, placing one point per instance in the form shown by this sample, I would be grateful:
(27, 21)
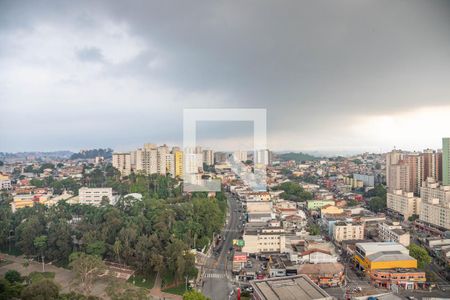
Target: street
(216, 283)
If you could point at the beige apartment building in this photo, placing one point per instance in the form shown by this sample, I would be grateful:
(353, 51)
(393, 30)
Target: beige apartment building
(344, 231)
(403, 203)
(393, 232)
(264, 240)
(122, 162)
(435, 208)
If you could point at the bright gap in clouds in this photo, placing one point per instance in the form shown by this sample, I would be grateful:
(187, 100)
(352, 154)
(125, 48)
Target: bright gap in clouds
(408, 131)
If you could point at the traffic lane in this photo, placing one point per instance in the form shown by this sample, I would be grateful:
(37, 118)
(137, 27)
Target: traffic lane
(220, 288)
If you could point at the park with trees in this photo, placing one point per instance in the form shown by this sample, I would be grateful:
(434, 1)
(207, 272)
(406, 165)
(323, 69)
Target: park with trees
(152, 235)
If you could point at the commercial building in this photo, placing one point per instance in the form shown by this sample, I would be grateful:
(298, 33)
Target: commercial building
(446, 161)
(316, 256)
(408, 279)
(288, 288)
(331, 210)
(94, 196)
(324, 275)
(264, 240)
(122, 162)
(28, 200)
(316, 204)
(343, 231)
(402, 203)
(435, 208)
(383, 255)
(393, 232)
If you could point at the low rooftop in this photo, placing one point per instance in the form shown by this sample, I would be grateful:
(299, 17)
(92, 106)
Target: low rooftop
(289, 288)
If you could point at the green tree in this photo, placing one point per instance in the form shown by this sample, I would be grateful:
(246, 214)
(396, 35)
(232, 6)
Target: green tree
(421, 254)
(13, 276)
(294, 192)
(59, 245)
(413, 218)
(29, 228)
(97, 248)
(117, 248)
(9, 290)
(44, 289)
(314, 229)
(87, 269)
(40, 243)
(194, 295)
(377, 204)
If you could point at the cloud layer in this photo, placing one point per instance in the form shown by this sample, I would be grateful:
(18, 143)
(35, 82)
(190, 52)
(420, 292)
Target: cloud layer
(114, 73)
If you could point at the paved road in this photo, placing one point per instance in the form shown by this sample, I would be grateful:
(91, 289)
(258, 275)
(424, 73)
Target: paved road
(216, 280)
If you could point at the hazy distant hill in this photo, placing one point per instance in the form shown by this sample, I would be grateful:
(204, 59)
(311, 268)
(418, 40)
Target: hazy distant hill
(92, 153)
(35, 154)
(297, 156)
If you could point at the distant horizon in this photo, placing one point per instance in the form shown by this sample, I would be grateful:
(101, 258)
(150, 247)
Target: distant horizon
(317, 153)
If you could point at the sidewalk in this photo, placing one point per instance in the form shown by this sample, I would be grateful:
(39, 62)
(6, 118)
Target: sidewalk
(156, 292)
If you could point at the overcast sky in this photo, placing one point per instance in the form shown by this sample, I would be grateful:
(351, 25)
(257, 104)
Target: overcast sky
(333, 75)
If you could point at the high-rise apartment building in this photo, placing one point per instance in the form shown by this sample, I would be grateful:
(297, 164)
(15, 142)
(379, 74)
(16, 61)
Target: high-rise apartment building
(240, 155)
(432, 164)
(193, 160)
(398, 177)
(392, 158)
(263, 157)
(122, 162)
(435, 208)
(208, 157)
(152, 159)
(414, 161)
(446, 161)
(179, 161)
(170, 164)
(404, 171)
(161, 161)
(147, 159)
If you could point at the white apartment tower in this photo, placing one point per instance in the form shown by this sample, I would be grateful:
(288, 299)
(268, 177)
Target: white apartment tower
(435, 208)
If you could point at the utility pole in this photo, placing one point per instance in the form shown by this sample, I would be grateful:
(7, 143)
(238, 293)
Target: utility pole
(43, 264)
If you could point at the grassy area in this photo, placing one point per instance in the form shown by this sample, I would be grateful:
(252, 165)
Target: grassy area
(4, 262)
(177, 290)
(143, 281)
(167, 279)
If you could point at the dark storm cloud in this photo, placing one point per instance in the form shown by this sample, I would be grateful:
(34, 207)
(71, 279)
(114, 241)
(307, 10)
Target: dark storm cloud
(314, 65)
